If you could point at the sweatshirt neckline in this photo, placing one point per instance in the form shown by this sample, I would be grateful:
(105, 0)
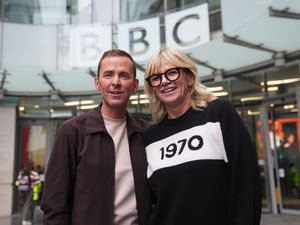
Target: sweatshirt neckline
(178, 119)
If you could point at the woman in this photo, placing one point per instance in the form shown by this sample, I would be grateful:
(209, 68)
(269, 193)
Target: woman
(202, 163)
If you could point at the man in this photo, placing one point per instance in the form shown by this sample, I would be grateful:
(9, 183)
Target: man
(97, 171)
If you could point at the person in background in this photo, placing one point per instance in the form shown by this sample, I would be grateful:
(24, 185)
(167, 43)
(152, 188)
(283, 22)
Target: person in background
(26, 182)
(202, 162)
(292, 169)
(97, 170)
(39, 188)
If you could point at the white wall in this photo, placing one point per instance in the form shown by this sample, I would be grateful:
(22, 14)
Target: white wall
(7, 155)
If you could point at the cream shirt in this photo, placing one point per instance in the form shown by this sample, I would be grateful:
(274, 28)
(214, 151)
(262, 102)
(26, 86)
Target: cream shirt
(125, 211)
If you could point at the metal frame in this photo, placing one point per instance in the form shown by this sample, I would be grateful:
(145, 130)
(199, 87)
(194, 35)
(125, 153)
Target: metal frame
(283, 14)
(271, 195)
(270, 166)
(236, 41)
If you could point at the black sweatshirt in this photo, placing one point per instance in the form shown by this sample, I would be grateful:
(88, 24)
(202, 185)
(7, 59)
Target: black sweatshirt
(203, 169)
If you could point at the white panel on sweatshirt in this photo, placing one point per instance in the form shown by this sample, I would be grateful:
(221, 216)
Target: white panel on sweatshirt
(197, 143)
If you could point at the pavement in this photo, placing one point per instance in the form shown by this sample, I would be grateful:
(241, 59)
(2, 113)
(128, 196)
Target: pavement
(278, 219)
(267, 219)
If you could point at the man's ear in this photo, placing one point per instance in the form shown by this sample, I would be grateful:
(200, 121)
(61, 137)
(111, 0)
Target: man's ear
(135, 86)
(96, 82)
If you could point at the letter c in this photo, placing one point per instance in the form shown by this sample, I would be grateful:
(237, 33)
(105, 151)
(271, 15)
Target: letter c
(175, 31)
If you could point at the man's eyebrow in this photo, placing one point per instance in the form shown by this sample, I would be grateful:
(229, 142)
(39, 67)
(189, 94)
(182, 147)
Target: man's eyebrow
(124, 72)
(108, 71)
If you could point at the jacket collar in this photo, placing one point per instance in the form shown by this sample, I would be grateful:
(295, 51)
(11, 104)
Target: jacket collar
(95, 122)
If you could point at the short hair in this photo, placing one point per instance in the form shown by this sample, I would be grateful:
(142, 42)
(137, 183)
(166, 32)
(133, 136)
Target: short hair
(199, 93)
(114, 53)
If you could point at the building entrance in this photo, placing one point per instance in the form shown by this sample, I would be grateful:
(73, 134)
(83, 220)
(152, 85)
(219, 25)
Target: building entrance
(281, 136)
(35, 138)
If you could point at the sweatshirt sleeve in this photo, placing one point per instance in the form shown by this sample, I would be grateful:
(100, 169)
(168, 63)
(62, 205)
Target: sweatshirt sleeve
(244, 196)
(59, 179)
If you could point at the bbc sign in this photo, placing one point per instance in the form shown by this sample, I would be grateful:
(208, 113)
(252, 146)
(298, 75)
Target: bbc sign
(183, 30)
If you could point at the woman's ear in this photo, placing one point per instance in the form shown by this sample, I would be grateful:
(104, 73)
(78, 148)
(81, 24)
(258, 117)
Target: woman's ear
(190, 80)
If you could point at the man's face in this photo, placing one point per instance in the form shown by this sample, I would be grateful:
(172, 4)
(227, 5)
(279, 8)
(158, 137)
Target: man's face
(116, 83)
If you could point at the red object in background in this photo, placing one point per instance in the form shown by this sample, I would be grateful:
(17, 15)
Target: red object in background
(24, 146)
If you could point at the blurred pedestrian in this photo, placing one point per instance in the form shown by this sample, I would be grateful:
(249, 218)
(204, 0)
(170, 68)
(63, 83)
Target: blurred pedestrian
(26, 181)
(40, 186)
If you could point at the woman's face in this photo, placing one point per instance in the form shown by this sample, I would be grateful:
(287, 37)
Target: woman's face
(174, 94)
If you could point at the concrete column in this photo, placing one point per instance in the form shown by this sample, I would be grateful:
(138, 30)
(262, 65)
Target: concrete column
(7, 156)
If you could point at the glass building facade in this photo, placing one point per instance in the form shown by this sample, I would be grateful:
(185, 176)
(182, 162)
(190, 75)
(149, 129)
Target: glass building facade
(49, 51)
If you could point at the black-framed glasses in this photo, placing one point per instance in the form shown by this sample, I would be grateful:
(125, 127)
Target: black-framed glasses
(171, 75)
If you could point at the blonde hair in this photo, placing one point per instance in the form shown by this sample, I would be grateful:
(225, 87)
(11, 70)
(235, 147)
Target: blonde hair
(199, 93)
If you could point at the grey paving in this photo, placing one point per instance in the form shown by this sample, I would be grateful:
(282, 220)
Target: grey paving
(267, 219)
(16, 219)
(270, 219)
